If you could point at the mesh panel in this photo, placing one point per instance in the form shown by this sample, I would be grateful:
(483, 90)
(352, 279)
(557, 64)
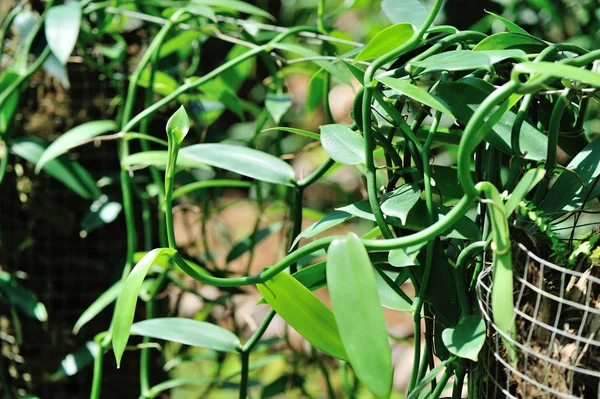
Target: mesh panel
(557, 318)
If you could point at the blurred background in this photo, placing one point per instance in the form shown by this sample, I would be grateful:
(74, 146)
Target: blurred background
(57, 247)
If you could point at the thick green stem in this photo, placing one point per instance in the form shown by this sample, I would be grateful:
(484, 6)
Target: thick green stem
(553, 131)
(101, 341)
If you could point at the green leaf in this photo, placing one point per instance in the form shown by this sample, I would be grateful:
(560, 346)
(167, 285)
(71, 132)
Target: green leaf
(239, 6)
(411, 11)
(105, 299)
(282, 385)
(278, 105)
(458, 60)
(511, 26)
(178, 126)
(529, 180)
(127, 301)
(77, 360)
(388, 297)
(24, 300)
(62, 28)
(10, 105)
(251, 241)
(73, 138)
(510, 40)
(467, 338)
(567, 193)
(399, 202)
(559, 71)
(322, 225)
(342, 144)
(299, 132)
(163, 83)
(242, 160)
(385, 41)
(417, 93)
(202, 11)
(302, 310)
(464, 98)
(358, 313)
(333, 67)
(316, 87)
(159, 158)
(312, 277)
(497, 56)
(188, 332)
(403, 257)
(32, 148)
(102, 211)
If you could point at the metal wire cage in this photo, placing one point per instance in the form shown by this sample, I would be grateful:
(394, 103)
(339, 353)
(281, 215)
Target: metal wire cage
(557, 318)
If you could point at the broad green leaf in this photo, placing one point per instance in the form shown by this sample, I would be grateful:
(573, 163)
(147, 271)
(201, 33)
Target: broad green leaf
(399, 202)
(180, 43)
(188, 332)
(411, 11)
(312, 277)
(105, 299)
(127, 301)
(342, 144)
(529, 180)
(281, 385)
(441, 290)
(102, 211)
(32, 148)
(358, 73)
(62, 28)
(236, 5)
(178, 126)
(21, 298)
(333, 67)
(358, 313)
(73, 138)
(464, 98)
(10, 105)
(416, 93)
(389, 297)
(511, 26)
(77, 360)
(467, 338)
(199, 185)
(253, 239)
(560, 71)
(242, 160)
(302, 310)
(202, 11)
(386, 40)
(458, 60)
(445, 180)
(567, 193)
(159, 158)
(497, 56)
(511, 40)
(403, 257)
(163, 83)
(299, 132)
(316, 87)
(278, 105)
(322, 225)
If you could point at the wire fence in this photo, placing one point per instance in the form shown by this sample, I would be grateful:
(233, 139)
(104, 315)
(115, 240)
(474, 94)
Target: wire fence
(557, 318)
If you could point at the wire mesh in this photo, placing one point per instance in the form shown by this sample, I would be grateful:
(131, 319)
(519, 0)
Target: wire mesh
(557, 319)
